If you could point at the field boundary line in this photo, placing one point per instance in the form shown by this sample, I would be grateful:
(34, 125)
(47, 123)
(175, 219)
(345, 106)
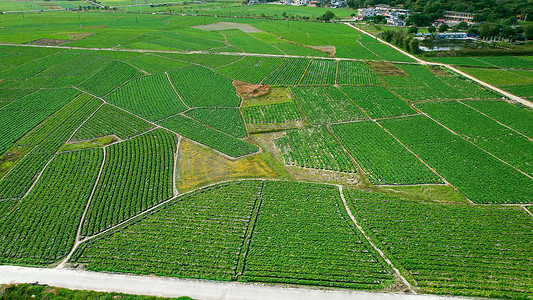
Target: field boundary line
(77, 240)
(520, 133)
(247, 241)
(85, 121)
(38, 177)
(179, 96)
(362, 174)
(474, 144)
(416, 155)
(175, 170)
(394, 269)
(305, 72)
(527, 210)
(261, 82)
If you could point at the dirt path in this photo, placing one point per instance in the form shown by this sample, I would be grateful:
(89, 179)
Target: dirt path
(197, 289)
(395, 270)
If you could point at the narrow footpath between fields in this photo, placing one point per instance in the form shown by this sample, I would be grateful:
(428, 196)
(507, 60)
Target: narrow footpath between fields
(197, 289)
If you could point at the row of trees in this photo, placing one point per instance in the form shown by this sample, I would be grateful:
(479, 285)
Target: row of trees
(402, 39)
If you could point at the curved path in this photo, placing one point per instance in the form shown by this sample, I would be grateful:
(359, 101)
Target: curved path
(197, 289)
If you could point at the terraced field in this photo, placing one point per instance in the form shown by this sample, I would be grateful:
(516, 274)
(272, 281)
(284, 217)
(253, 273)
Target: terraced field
(257, 150)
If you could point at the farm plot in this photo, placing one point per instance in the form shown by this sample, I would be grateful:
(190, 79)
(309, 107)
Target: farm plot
(506, 62)
(521, 90)
(47, 139)
(484, 132)
(462, 61)
(207, 60)
(378, 101)
(496, 77)
(355, 73)
(518, 118)
(314, 148)
(156, 64)
(469, 89)
(324, 105)
(14, 94)
(201, 235)
(276, 113)
(249, 44)
(36, 66)
(382, 158)
(201, 87)
(325, 250)
(109, 77)
(42, 227)
(151, 97)
(479, 176)
(19, 117)
(73, 71)
(250, 69)
(414, 94)
(385, 52)
(109, 120)
(452, 249)
(212, 138)
(320, 72)
(137, 174)
(289, 73)
(431, 82)
(228, 120)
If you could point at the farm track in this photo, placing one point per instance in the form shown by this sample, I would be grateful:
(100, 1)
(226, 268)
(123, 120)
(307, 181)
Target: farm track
(197, 289)
(407, 284)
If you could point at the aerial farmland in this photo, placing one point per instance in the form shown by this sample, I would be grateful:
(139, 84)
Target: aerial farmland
(262, 152)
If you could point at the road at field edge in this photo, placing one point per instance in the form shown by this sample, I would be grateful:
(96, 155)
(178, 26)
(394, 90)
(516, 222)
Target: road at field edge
(174, 287)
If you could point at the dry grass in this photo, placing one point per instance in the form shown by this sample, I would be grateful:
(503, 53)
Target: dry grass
(199, 166)
(247, 90)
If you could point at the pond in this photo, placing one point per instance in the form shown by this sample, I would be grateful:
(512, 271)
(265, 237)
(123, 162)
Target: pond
(447, 45)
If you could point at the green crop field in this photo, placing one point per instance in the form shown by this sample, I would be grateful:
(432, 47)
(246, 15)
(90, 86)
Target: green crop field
(258, 144)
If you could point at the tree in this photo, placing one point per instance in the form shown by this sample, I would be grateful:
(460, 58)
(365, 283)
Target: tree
(432, 29)
(488, 29)
(444, 28)
(414, 46)
(387, 35)
(528, 32)
(461, 26)
(412, 30)
(509, 32)
(398, 36)
(328, 15)
(419, 19)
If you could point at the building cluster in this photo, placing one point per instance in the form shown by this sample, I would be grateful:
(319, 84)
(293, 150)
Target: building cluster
(395, 16)
(452, 18)
(333, 3)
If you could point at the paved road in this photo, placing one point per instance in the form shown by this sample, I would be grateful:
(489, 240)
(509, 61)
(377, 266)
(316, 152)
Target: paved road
(172, 287)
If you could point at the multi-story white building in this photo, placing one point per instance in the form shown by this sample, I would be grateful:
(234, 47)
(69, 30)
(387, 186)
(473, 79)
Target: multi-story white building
(364, 13)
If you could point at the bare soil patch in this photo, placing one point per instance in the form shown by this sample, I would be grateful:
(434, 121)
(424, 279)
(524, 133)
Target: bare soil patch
(250, 90)
(228, 25)
(49, 42)
(386, 68)
(330, 50)
(438, 71)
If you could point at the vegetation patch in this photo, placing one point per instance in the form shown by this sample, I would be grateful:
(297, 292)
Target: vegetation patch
(250, 90)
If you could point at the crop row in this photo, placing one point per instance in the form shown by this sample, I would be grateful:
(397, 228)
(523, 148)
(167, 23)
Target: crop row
(478, 175)
(484, 132)
(355, 73)
(15, 184)
(42, 227)
(137, 174)
(151, 97)
(320, 72)
(199, 236)
(324, 105)
(272, 113)
(19, 117)
(228, 120)
(326, 248)
(378, 101)
(289, 73)
(109, 77)
(251, 69)
(201, 87)
(452, 249)
(314, 148)
(384, 160)
(212, 138)
(109, 120)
